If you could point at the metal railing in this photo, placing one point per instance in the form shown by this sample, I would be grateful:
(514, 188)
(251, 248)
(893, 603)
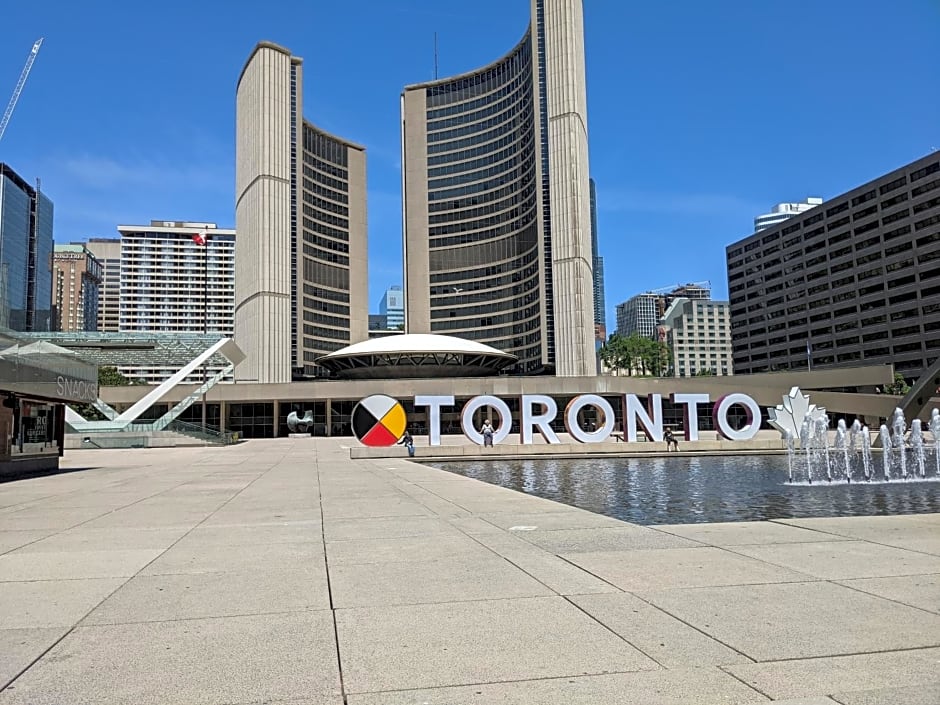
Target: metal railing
(210, 434)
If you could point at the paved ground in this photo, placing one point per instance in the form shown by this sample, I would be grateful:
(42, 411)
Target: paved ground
(282, 572)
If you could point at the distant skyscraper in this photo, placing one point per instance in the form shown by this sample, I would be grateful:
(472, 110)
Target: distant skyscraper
(108, 253)
(782, 211)
(497, 200)
(392, 306)
(600, 307)
(699, 337)
(76, 284)
(643, 312)
(177, 277)
(25, 254)
(300, 212)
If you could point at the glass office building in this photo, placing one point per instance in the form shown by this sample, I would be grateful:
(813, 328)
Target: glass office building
(26, 216)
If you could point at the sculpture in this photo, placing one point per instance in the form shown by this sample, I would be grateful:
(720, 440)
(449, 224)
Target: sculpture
(299, 425)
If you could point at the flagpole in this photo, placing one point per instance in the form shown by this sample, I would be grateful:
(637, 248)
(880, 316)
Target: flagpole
(205, 317)
(809, 356)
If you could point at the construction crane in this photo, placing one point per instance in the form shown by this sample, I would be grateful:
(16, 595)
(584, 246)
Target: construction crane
(19, 86)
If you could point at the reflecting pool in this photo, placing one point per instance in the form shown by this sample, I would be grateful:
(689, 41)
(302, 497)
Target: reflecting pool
(690, 489)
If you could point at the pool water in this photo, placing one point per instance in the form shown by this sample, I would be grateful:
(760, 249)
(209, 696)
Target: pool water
(696, 489)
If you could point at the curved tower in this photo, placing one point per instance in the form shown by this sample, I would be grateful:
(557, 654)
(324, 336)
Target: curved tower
(300, 214)
(497, 205)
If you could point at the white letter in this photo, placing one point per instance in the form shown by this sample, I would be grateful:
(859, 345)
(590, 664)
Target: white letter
(691, 402)
(528, 418)
(434, 404)
(571, 418)
(720, 414)
(502, 410)
(653, 426)
(59, 387)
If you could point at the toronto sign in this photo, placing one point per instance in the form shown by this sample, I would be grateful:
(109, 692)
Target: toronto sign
(380, 420)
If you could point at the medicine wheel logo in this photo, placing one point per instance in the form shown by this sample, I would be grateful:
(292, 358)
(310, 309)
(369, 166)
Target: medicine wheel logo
(379, 421)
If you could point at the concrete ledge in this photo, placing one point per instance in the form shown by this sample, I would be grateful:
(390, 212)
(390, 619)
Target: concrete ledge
(573, 450)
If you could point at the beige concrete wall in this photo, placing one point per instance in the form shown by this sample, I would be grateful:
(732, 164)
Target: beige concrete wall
(262, 216)
(415, 204)
(766, 389)
(569, 173)
(358, 247)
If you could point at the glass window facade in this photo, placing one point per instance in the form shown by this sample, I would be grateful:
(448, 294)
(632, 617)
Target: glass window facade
(484, 231)
(25, 255)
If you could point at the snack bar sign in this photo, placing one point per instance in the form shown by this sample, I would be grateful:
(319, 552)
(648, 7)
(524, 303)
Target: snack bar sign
(538, 411)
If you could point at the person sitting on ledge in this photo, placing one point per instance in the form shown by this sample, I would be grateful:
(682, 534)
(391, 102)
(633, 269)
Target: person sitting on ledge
(671, 440)
(408, 442)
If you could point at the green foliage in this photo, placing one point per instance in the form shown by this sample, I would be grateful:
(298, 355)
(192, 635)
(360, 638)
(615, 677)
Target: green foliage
(899, 386)
(107, 377)
(705, 373)
(636, 355)
(110, 377)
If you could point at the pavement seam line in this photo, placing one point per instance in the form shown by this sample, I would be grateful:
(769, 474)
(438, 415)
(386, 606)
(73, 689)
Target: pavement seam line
(71, 629)
(693, 627)
(329, 586)
(745, 683)
(882, 597)
(730, 549)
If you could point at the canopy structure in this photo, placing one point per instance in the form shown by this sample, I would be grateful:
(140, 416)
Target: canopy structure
(416, 355)
(43, 370)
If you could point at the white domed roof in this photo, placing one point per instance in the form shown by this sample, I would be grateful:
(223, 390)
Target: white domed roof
(416, 343)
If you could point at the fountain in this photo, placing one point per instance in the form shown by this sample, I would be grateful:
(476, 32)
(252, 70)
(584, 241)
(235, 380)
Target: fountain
(850, 456)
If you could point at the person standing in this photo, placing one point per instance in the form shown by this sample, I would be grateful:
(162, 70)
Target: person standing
(487, 431)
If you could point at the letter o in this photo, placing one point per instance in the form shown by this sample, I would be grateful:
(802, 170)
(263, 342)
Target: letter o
(720, 416)
(471, 407)
(571, 418)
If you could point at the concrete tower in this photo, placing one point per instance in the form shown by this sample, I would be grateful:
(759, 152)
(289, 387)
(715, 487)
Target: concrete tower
(300, 212)
(496, 192)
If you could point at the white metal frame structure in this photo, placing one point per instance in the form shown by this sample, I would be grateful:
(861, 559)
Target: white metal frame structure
(122, 421)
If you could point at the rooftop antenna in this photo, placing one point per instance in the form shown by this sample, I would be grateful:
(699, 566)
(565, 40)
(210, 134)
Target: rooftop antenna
(435, 56)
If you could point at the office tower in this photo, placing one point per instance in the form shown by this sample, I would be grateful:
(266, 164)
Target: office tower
(177, 277)
(392, 306)
(25, 254)
(108, 253)
(643, 312)
(301, 268)
(600, 314)
(698, 333)
(783, 211)
(497, 214)
(76, 284)
(854, 281)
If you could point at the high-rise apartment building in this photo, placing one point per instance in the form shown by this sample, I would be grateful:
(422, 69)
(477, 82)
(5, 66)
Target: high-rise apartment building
(25, 254)
(497, 200)
(783, 211)
(177, 277)
(392, 306)
(600, 305)
(642, 313)
(76, 284)
(300, 212)
(855, 280)
(108, 253)
(698, 333)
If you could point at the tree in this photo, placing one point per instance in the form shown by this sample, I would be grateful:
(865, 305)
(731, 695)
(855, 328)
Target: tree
(108, 376)
(705, 373)
(899, 386)
(635, 355)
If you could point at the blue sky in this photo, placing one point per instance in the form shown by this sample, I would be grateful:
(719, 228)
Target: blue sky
(701, 115)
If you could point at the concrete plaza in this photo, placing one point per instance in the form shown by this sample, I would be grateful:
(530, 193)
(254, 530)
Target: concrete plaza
(281, 571)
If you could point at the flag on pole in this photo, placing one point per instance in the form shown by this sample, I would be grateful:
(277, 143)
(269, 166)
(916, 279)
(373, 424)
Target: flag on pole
(199, 238)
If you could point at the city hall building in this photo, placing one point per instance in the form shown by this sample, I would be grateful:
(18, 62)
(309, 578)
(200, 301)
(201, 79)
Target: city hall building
(497, 203)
